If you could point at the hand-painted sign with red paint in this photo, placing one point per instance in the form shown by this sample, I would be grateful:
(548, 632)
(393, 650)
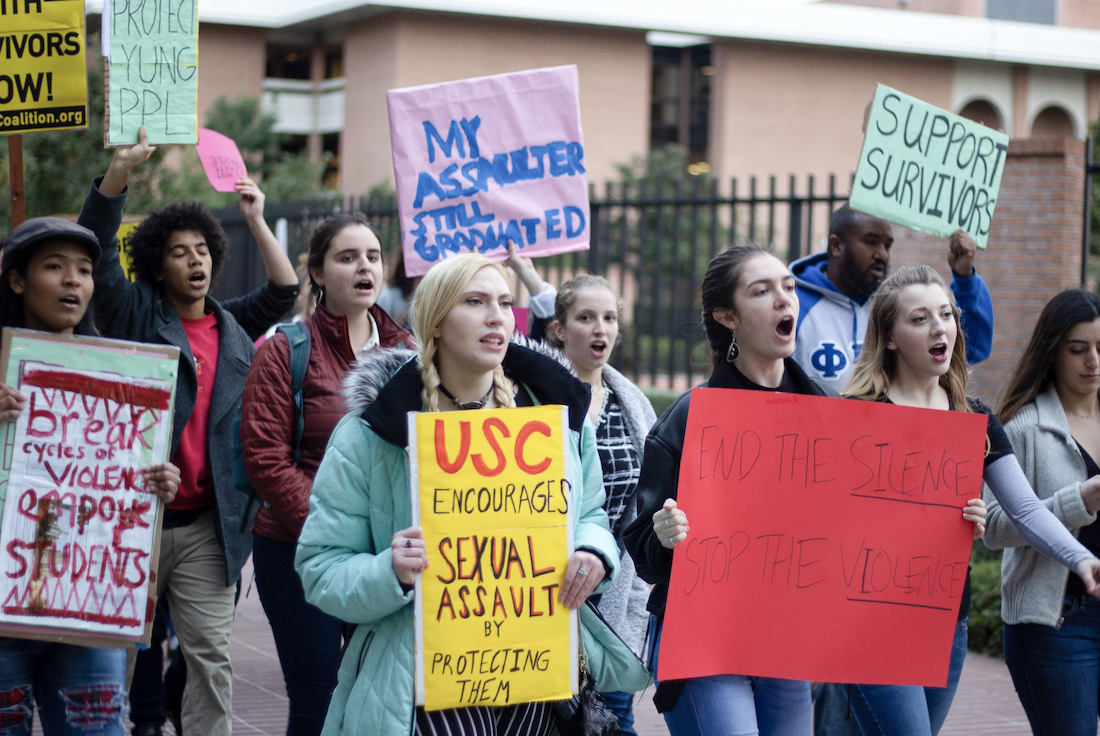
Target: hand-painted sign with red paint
(78, 529)
(827, 540)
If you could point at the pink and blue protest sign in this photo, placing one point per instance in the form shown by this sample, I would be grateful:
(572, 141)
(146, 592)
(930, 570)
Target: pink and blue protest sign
(484, 161)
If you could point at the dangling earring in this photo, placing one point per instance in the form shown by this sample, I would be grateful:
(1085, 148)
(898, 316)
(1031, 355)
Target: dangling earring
(734, 351)
(320, 295)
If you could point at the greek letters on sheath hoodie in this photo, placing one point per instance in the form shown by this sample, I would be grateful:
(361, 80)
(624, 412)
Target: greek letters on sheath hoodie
(832, 325)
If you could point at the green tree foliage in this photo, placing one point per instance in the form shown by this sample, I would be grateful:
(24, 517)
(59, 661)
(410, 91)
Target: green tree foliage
(663, 225)
(984, 622)
(251, 128)
(58, 166)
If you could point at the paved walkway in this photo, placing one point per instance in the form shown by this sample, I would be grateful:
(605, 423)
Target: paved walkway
(985, 705)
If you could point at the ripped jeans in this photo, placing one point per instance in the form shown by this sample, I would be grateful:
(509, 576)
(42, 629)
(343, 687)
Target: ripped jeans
(78, 690)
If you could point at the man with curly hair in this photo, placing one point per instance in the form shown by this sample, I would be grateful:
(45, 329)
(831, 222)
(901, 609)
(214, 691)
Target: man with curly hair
(176, 253)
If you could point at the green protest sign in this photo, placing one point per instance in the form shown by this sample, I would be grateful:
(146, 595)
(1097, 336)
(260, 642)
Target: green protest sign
(153, 72)
(928, 169)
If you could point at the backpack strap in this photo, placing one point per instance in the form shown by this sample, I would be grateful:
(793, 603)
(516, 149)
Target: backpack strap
(297, 334)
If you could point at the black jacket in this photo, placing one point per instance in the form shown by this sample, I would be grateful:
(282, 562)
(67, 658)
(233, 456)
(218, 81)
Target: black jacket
(660, 471)
(142, 312)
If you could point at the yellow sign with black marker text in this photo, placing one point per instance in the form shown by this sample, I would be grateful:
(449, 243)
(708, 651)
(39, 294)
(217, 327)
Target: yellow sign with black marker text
(43, 73)
(491, 491)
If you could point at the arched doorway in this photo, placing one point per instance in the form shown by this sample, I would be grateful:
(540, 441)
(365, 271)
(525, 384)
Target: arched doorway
(984, 112)
(1053, 122)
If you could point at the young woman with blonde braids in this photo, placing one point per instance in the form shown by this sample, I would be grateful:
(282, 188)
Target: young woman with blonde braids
(358, 554)
(913, 355)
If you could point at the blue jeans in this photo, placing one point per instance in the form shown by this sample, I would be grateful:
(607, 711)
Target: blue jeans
(306, 638)
(78, 690)
(737, 705)
(622, 704)
(909, 710)
(1057, 671)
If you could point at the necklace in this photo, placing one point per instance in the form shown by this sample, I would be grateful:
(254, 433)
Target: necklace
(464, 405)
(1083, 416)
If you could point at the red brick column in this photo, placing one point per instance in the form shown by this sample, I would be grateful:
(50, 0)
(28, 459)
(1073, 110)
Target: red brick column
(1034, 248)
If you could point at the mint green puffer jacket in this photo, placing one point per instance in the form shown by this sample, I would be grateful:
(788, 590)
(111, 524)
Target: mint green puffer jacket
(361, 498)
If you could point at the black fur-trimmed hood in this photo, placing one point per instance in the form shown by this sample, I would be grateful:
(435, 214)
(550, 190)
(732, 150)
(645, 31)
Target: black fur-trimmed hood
(385, 385)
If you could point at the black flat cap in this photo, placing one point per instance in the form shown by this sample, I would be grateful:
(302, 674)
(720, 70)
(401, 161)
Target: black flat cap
(20, 244)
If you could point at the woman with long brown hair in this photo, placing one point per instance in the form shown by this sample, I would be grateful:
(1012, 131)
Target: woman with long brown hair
(913, 355)
(750, 309)
(283, 438)
(1051, 412)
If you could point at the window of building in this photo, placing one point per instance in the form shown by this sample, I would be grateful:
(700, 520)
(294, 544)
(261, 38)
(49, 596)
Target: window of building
(334, 63)
(680, 107)
(1052, 122)
(1026, 11)
(330, 144)
(294, 143)
(289, 62)
(983, 111)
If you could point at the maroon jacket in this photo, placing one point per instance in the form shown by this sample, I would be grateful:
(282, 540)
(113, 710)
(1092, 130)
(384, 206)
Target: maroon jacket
(268, 418)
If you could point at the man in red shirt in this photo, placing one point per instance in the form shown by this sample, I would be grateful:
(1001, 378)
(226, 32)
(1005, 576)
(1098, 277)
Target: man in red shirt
(175, 256)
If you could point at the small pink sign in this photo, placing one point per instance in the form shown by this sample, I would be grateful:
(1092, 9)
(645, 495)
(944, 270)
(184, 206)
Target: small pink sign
(481, 162)
(221, 159)
(523, 319)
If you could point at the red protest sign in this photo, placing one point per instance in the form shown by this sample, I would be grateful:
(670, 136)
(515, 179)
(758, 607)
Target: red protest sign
(827, 540)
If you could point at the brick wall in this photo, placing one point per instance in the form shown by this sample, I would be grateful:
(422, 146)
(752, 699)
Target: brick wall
(1034, 248)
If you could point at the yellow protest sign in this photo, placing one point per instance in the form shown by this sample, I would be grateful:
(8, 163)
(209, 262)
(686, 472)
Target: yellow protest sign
(44, 82)
(491, 490)
(125, 230)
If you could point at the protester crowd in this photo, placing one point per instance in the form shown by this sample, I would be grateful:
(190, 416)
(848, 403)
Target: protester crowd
(324, 440)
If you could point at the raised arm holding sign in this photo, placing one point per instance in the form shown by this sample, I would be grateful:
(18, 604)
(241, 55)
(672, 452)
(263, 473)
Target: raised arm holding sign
(927, 168)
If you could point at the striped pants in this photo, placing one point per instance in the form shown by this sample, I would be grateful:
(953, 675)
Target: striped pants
(523, 719)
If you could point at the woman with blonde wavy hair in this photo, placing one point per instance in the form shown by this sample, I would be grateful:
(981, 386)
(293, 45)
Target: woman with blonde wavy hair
(358, 554)
(913, 355)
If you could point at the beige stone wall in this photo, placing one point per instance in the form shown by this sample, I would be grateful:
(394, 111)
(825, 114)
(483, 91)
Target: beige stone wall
(370, 66)
(408, 49)
(231, 63)
(1079, 13)
(1071, 13)
(781, 109)
(946, 7)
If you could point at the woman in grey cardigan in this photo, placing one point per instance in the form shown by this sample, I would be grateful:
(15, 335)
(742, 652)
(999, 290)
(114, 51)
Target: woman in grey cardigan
(1051, 412)
(585, 328)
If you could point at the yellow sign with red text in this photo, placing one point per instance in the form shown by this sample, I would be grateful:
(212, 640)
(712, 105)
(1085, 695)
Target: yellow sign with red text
(491, 490)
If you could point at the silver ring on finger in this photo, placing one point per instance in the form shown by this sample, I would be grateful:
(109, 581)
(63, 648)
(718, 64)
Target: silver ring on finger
(666, 524)
(582, 571)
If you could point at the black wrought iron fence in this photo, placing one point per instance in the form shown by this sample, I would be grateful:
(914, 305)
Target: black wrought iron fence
(1090, 226)
(651, 239)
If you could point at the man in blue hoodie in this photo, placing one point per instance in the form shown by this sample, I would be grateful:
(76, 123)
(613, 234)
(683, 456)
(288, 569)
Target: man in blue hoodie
(835, 288)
